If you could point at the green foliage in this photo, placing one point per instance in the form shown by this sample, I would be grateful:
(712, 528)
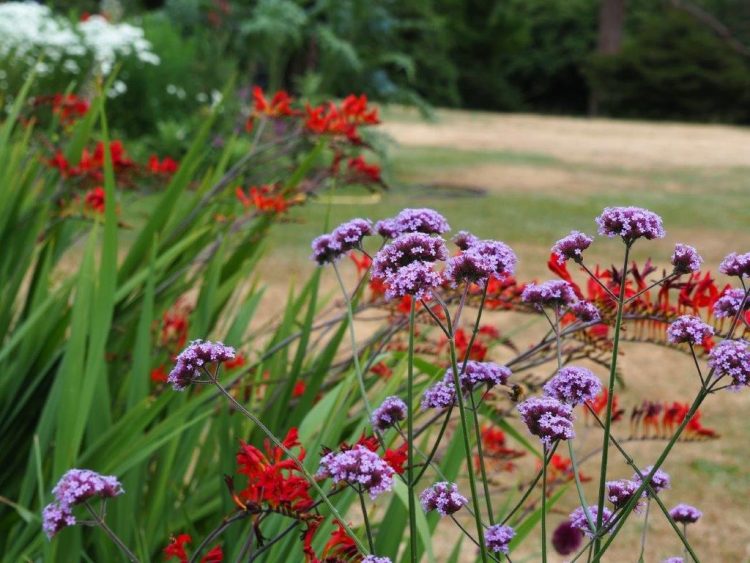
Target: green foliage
(674, 69)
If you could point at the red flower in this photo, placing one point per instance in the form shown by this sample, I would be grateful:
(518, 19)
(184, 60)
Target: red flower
(381, 369)
(237, 362)
(355, 108)
(176, 548)
(272, 479)
(299, 389)
(340, 545)
(262, 199)
(396, 458)
(159, 375)
(360, 171)
(94, 200)
(216, 555)
(599, 405)
(279, 106)
(363, 263)
(174, 329)
(167, 166)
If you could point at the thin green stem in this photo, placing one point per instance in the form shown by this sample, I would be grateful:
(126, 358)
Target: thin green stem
(610, 397)
(367, 521)
(644, 533)
(544, 507)
(410, 435)
(482, 468)
(114, 537)
(466, 438)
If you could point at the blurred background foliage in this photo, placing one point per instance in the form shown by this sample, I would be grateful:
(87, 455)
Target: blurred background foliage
(671, 59)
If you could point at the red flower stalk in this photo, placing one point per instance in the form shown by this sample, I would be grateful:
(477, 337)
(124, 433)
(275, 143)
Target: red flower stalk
(263, 199)
(176, 548)
(167, 166)
(361, 171)
(279, 106)
(94, 200)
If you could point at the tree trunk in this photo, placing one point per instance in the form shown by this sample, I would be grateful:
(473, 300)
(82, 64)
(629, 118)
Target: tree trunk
(609, 41)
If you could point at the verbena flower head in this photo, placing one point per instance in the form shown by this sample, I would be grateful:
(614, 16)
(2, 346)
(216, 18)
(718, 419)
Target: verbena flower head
(418, 279)
(578, 519)
(480, 373)
(391, 411)
(422, 220)
(689, 329)
(630, 223)
(736, 265)
(547, 418)
(685, 514)
(326, 249)
(586, 311)
(731, 358)
(405, 250)
(195, 358)
(497, 538)
(56, 517)
(573, 385)
(349, 235)
(358, 466)
(659, 482)
(571, 247)
(79, 485)
(375, 559)
(443, 497)
(728, 305)
(673, 560)
(481, 260)
(552, 293)
(464, 239)
(686, 259)
(440, 395)
(620, 492)
(566, 538)
(387, 228)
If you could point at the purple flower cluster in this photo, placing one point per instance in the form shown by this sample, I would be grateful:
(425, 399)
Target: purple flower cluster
(571, 247)
(736, 265)
(630, 223)
(481, 260)
(689, 329)
(418, 279)
(659, 482)
(441, 395)
(728, 305)
(391, 411)
(686, 259)
(75, 487)
(573, 385)
(464, 239)
(497, 538)
(685, 514)
(405, 250)
(347, 236)
(547, 418)
(422, 220)
(578, 518)
(358, 466)
(731, 358)
(552, 293)
(586, 311)
(375, 559)
(443, 497)
(620, 492)
(195, 358)
(673, 560)
(480, 373)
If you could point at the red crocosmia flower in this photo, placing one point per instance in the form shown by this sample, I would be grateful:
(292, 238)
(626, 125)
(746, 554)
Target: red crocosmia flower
(599, 404)
(361, 171)
(216, 555)
(327, 119)
(176, 548)
(167, 166)
(478, 350)
(237, 362)
(340, 546)
(495, 449)
(307, 537)
(370, 442)
(377, 288)
(381, 369)
(270, 478)
(159, 375)
(363, 263)
(489, 331)
(355, 108)
(280, 105)
(695, 428)
(263, 199)
(60, 162)
(174, 329)
(396, 458)
(299, 389)
(94, 200)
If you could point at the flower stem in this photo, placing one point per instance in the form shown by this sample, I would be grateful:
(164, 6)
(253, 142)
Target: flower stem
(482, 468)
(544, 507)
(410, 436)
(467, 443)
(610, 397)
(117, 541)
(644, 533)
(367, 521)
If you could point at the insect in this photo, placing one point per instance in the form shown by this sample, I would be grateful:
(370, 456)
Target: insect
(518, 392)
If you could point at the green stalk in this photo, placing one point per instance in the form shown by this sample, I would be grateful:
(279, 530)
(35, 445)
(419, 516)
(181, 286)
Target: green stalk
(644, 533)
(482, 468)
(467, 443)
(410, 435)
(115, 539)
(544, 507)
(367, 521)
(610, 397)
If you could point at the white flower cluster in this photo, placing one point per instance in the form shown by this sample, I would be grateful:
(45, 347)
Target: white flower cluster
(30, 31)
